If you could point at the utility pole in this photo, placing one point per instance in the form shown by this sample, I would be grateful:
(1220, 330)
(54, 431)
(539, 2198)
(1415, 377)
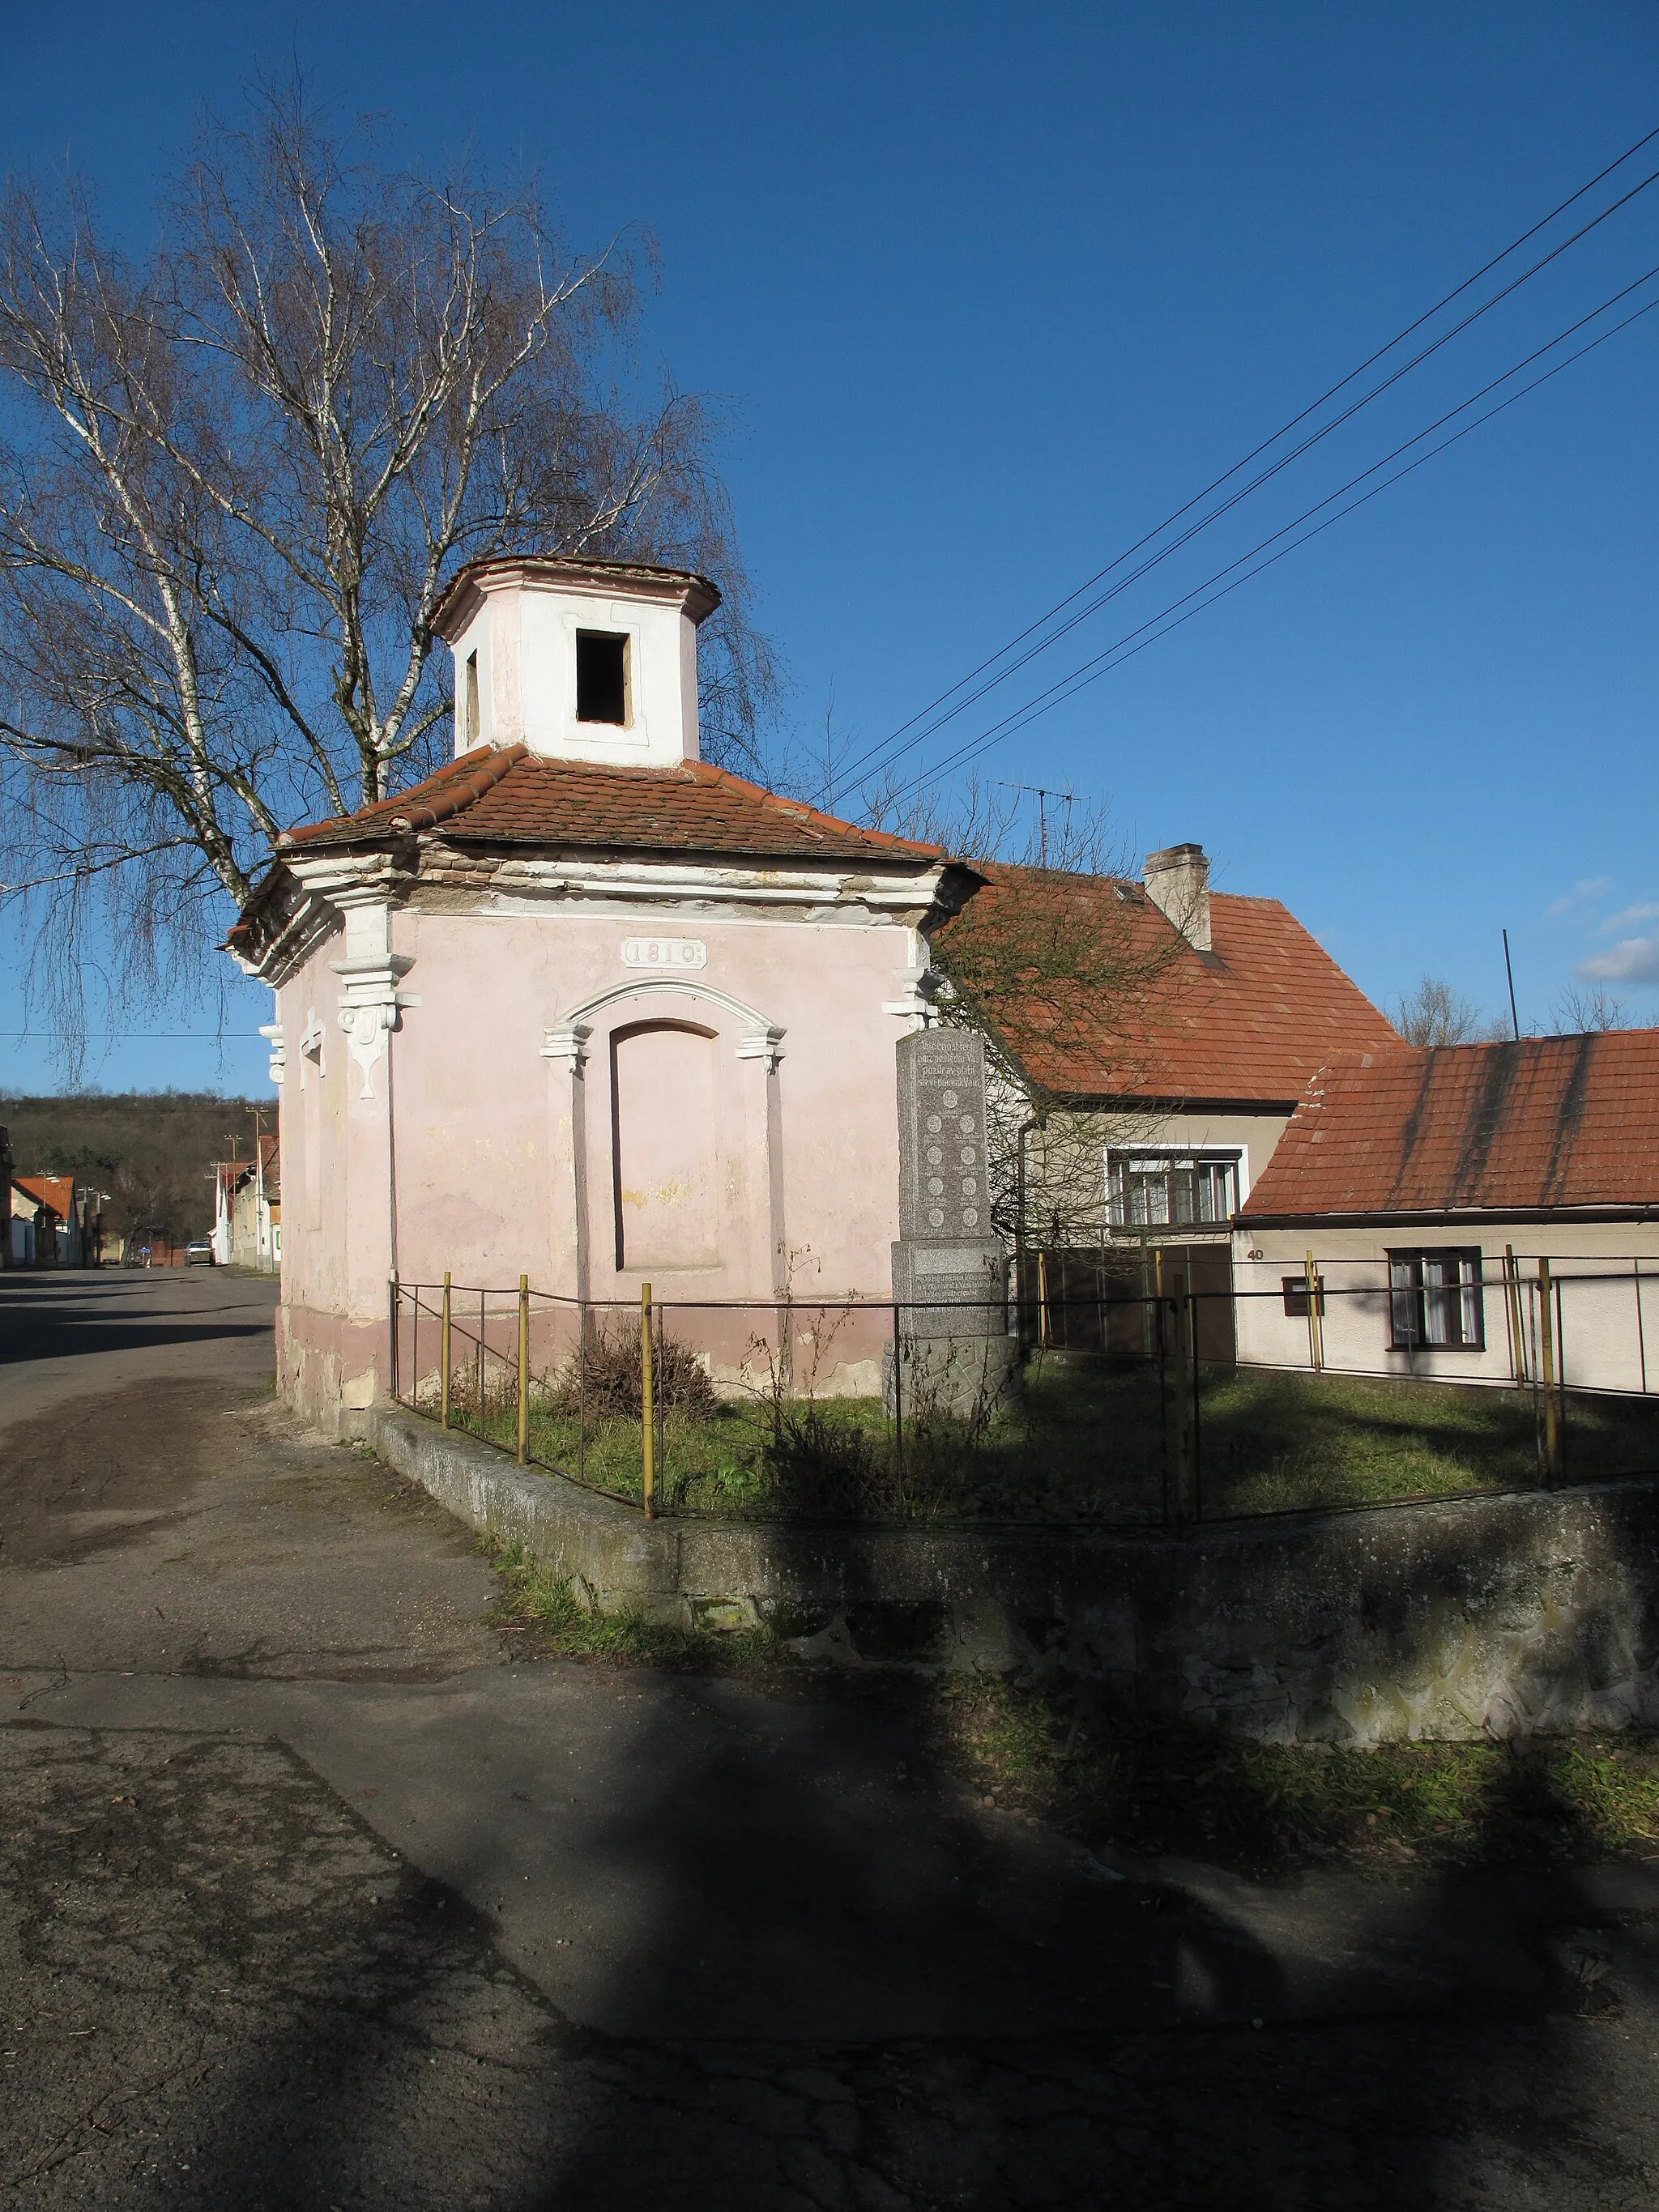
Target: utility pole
(261, 1211)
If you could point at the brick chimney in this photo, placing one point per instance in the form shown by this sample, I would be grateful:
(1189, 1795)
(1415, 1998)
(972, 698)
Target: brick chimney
(1178, 880)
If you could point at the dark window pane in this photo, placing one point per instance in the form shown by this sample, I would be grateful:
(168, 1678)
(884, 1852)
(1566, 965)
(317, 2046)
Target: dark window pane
(601, 677)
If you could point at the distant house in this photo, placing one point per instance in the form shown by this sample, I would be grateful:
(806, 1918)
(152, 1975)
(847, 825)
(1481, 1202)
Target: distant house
(1173, 1096)
(29, 1227)
(1412, 1177)
(52, 1223)
(247, 1223)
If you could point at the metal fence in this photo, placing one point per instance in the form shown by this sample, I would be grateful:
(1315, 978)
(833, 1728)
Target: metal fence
(1111, 1405)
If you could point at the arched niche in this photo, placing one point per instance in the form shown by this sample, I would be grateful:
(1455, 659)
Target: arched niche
(670, 1175)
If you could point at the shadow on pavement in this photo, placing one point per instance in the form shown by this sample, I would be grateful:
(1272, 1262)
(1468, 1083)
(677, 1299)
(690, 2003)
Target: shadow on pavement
(276, 2012)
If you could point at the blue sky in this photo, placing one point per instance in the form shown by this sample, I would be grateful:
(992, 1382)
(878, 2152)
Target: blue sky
(990, 292)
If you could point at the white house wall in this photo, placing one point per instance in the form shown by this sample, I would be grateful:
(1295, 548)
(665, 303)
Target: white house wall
(1609, 1336)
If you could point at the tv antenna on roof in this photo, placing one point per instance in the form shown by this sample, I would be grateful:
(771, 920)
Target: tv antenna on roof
(1042, 794)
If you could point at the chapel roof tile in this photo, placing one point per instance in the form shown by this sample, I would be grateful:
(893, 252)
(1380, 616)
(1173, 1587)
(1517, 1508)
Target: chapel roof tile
(1541, 1123)
(512, 797)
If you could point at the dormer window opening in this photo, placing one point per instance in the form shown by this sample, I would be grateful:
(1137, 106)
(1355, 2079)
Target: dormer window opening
(602, 677)
(469, 708)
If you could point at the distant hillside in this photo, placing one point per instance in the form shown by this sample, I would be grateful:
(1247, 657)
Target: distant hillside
(154, 1153)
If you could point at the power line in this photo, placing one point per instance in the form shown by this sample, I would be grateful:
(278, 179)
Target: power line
(1113, 656)
(141, 1036)
(888, 749)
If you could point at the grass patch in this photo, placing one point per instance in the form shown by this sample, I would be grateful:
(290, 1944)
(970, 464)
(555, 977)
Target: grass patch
(534, 1598)
(1085, 1442)
(1163, 1788)
(1154, 1789)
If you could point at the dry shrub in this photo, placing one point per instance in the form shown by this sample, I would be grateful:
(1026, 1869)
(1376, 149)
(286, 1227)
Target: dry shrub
(818, 1467)
(606, 1379)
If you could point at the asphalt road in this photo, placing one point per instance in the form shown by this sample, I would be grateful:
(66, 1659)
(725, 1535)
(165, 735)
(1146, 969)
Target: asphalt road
(318, 1889)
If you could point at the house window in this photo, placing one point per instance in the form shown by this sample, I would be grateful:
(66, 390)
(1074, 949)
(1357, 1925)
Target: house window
(470, 709)
(601, 677)
(1435, 1298)
(1296, 1296)
(1171, 1189)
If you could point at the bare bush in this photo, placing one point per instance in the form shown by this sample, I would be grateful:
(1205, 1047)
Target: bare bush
(605, 1378)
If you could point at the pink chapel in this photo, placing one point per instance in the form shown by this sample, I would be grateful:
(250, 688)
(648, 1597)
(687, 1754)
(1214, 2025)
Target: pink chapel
(582, 1008)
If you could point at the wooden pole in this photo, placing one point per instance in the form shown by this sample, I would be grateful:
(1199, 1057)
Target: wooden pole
(394, 1301)
(1546, 1377)
(1181, 1397)
(1641, 1339)
(443, 1386)
(1315, 1334)
(524, 1368)
(1512, 1313)
(647, 1410)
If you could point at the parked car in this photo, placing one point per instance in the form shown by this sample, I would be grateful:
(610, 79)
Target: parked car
(199, 1255)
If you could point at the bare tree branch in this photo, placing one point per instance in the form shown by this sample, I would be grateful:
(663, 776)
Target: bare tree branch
(236, 479)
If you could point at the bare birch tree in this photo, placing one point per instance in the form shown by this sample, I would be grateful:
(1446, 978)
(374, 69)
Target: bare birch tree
(235, 478)
(1436, 1014)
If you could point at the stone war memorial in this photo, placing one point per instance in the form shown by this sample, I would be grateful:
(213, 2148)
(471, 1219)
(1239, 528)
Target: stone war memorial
(949, 1269)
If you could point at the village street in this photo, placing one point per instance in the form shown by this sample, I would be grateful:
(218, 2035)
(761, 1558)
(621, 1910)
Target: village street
(321, 1890)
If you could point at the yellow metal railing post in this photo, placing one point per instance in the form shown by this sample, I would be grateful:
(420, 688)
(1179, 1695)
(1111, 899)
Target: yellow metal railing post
(1546, 1376)
(524, 1368)
(647, 1410)
(443, 1386)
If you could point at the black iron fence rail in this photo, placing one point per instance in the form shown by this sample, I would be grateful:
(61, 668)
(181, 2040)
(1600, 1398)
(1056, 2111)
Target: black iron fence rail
(1158, 1440)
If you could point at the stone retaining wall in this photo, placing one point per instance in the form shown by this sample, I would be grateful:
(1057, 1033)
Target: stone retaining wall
(1506, 1616)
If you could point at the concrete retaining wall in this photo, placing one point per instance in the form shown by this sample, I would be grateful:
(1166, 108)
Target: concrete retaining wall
(1500, 1616)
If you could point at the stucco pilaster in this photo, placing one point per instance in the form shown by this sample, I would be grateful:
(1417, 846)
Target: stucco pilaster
(566, 1053)
(768, 1259)
(369, 1013)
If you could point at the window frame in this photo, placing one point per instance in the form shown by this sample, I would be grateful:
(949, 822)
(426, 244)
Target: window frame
(1419, 1300)
(1119, 1160)
(622, 639)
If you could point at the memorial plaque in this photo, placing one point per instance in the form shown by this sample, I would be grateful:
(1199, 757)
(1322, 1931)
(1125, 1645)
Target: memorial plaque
(941, 1087)
(951, 1290)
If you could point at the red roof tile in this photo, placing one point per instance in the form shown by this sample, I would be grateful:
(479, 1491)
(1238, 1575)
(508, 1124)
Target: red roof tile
(1502, 1128)
(1252, 1020)
(513, 797)
(57, 1191)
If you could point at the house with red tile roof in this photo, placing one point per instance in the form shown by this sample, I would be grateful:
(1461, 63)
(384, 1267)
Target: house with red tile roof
(248, 1208)
(585, 1008)
(1161, 1099)
(50, 1222)
(1428, 1185)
